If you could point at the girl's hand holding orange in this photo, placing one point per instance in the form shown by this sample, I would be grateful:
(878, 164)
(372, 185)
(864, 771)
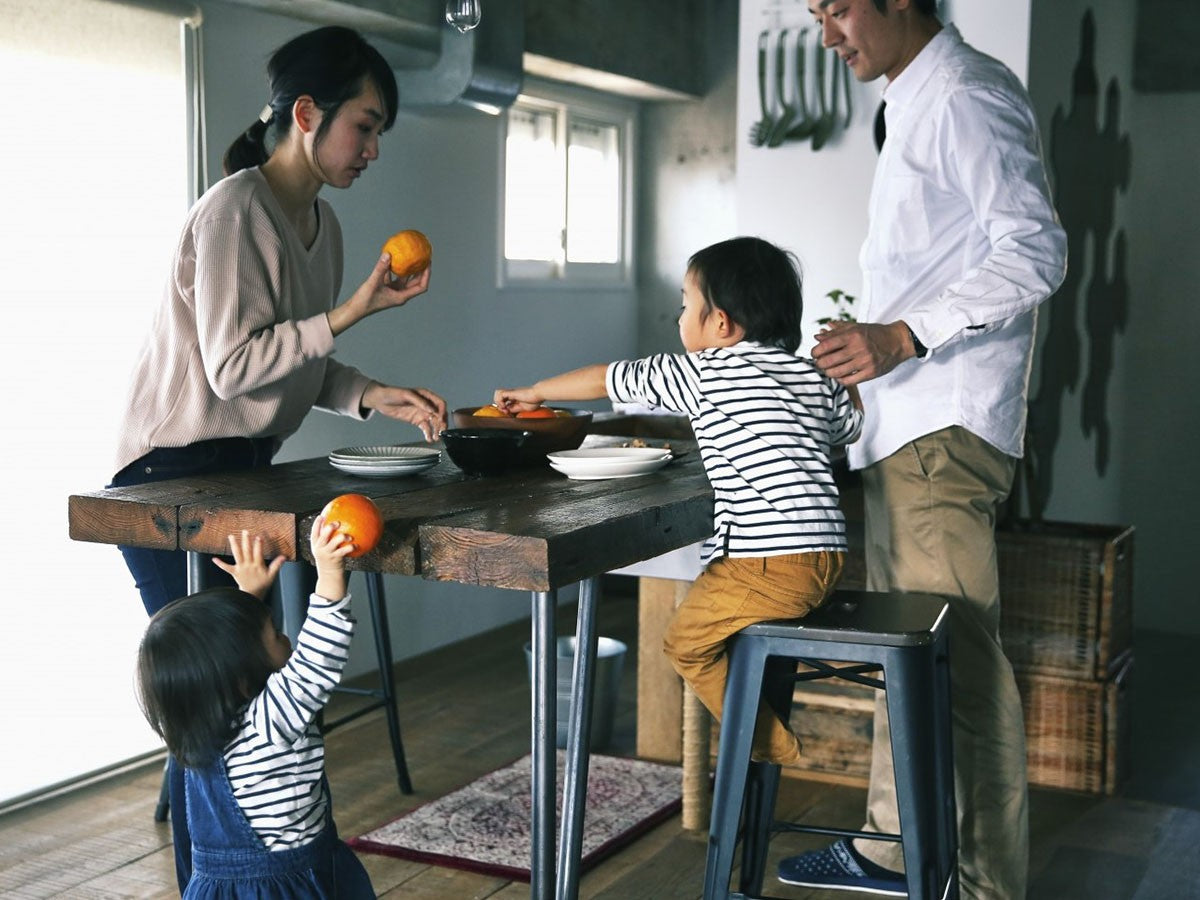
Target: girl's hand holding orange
(330, 547)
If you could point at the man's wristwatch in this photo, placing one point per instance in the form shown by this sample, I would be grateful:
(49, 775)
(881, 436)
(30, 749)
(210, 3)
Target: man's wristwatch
(920, 349)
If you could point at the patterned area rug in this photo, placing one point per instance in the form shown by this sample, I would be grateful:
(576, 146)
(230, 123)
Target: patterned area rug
(484, 827)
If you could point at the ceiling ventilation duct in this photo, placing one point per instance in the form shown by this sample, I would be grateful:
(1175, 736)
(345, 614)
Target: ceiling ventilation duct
(435, 65)
(482, 68)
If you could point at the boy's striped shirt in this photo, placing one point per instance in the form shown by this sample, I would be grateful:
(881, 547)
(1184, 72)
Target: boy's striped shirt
(765, 422)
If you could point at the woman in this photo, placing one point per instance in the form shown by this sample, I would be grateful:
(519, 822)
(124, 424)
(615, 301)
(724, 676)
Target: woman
(240, 349)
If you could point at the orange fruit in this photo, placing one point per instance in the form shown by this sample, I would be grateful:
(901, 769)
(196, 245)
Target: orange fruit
(411, 252)
(358, 518)
(490, 412)
(540, 413)
(563, 413)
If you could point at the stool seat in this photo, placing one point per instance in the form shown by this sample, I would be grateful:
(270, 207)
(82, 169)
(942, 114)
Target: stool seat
(856, 635)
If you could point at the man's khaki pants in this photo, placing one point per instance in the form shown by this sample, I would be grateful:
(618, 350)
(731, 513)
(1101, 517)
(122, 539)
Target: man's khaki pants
(930, 527)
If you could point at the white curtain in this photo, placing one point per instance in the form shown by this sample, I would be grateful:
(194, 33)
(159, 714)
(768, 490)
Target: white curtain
(99, 125)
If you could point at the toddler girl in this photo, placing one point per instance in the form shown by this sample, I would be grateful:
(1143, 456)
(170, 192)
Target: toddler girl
(237, 708)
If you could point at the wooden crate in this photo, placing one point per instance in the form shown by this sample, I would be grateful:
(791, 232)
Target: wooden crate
(1066, 597)
(1077, 732)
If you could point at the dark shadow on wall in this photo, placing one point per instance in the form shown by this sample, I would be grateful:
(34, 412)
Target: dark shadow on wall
(1090, 164)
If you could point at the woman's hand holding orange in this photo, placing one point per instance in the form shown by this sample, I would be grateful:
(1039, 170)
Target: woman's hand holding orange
(382, 290)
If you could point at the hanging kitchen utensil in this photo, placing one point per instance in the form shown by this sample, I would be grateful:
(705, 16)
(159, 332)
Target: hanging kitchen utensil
(849, 92)
(787, 113)
(803, 126)
(760, 129)
(824, 125)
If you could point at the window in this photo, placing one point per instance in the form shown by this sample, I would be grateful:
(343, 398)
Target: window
(566, 191)
(97, 149)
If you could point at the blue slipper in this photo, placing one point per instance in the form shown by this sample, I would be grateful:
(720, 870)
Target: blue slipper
(839, 867)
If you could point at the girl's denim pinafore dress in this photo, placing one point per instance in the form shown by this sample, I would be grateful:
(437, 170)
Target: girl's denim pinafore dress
(230, 861)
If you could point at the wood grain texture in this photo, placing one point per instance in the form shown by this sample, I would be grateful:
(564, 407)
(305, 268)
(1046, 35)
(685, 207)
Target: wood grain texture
(113, 520)
(660, 689)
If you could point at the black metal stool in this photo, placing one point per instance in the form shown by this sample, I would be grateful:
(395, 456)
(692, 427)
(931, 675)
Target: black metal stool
(904, 637)
(294, 590)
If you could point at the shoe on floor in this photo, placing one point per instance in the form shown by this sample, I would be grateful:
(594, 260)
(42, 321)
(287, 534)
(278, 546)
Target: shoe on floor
(839, 867)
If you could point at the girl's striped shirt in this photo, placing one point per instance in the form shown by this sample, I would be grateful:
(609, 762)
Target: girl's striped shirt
(276, 760)
(765, 421)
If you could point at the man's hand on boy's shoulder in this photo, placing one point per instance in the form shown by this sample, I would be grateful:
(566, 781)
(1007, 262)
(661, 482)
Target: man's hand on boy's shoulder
(854, 352)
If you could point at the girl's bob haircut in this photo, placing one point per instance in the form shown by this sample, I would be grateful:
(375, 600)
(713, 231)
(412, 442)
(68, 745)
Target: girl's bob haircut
(201, 660)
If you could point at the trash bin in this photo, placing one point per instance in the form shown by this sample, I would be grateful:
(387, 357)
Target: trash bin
(610, 660)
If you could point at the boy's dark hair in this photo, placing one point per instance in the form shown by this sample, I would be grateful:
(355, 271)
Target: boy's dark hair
(329, 64)
(201, 659)
(928, 7)
(756, 284)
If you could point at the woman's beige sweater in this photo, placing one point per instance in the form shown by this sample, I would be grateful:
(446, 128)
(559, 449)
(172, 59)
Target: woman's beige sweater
(241, 346)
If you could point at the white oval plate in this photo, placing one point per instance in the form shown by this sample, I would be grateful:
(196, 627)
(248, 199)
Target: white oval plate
(582, 470)
(613, 461)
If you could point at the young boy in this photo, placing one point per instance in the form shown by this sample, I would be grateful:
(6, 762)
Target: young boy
(765, 421)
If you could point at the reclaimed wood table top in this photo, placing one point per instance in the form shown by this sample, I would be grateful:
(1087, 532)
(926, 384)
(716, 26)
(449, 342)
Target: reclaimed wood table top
(533, 529)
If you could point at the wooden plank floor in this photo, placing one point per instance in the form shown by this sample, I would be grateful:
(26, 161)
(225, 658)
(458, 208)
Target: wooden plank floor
(465, 711)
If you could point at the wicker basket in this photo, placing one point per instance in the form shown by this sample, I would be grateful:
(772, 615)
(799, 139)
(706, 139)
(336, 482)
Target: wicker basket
(1078, 733)
(1066, 597)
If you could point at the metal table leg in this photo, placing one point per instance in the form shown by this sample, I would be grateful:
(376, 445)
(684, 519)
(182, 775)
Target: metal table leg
(543, 740)
(579, 733)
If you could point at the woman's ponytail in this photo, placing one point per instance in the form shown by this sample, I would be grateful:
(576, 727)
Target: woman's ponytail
(249, 149)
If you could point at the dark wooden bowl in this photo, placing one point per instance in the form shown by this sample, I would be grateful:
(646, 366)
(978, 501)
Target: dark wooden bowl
(547, 435)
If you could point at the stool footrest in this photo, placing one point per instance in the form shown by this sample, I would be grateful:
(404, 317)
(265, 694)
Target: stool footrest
(819, 670)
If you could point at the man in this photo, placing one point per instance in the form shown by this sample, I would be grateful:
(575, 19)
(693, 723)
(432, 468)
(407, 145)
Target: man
(963, 244)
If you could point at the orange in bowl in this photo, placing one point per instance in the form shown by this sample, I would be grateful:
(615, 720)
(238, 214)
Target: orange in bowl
(358, 518)
(490, 412)
(540, 412)
(410, 251)
(561, 429)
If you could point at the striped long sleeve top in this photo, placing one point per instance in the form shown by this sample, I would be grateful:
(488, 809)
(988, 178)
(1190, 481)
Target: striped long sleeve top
(276, 760)
(765, 422)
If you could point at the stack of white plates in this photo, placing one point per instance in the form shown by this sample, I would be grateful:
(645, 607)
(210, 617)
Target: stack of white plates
(609, 462)
(384, 462)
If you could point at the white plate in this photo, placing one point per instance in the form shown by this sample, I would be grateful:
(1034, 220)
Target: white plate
(575, 476)
(386, 463)
(611, 462)
(383, 471)
(584, 471)
(599, 455)
(396, 453)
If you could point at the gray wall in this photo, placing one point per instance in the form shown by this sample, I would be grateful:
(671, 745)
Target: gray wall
(439, 172)
(1151, 195)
